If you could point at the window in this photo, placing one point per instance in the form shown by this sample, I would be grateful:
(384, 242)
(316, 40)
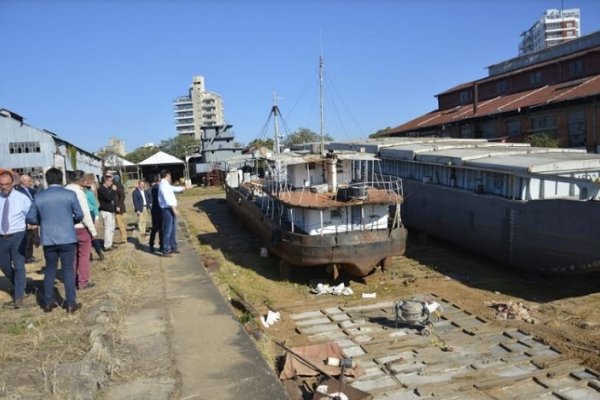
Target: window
(335, 214)
(23, 147)
(535, 78)
(513, 128)
(465, 96)
(575, 67)
(576, 134)
(502, 86)
(542, 123)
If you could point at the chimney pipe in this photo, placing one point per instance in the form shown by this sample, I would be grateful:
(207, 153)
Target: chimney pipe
(475, 98)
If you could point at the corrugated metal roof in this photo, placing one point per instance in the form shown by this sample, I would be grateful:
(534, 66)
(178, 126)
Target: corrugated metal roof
(494, 155)
(542, 96)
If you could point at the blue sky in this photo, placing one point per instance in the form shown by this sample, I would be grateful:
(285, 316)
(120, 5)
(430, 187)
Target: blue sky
(91, 69)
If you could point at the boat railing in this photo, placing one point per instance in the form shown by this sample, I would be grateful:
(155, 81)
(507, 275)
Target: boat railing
(386, 183)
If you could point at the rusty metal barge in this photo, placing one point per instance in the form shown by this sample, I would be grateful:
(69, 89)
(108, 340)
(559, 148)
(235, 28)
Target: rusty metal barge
(537, 209)
(315, 209)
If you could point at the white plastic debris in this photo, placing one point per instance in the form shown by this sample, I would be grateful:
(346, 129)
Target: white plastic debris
(338, 290)
(336, 395)
(369, 295)
(270, 318)
(432, 306)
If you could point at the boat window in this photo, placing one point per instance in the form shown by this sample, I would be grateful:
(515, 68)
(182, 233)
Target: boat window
(311, 165)
(335, 214)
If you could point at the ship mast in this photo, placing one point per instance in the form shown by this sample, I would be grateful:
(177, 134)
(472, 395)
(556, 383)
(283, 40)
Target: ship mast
(321, 101)
(275, 111)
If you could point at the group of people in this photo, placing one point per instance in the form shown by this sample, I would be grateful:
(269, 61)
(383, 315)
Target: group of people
(63, 220)
(160, 201)
(56, 217)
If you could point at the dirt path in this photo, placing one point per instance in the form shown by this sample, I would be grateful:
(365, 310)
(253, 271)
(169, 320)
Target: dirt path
(565, 310)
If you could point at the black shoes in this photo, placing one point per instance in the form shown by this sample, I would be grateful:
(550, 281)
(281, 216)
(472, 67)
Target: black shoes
(70, 309)
(88, 286)
(74, 307)
(48, 309)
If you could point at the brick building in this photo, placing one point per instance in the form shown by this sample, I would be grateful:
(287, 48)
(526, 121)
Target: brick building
(555, 91)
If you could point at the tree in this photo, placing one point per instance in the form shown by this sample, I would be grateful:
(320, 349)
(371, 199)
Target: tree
(180, 146)
(543, 139)
(380, 133)
(257, 143)
(141, 153)
(304, 135)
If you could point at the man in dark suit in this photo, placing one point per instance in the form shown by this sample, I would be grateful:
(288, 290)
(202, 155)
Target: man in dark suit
(141, 205)
(156, 213)
(31, 234)
(56, 210)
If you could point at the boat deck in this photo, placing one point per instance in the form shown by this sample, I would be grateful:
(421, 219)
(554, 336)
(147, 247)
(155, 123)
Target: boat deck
(306, 198)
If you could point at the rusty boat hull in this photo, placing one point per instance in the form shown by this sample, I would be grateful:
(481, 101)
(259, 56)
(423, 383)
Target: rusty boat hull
(357, 252)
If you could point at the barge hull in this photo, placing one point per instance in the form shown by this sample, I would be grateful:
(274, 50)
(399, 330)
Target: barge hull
(548, 236)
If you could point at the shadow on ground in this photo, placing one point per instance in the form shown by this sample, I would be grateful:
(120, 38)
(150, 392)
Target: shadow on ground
(482, 273)
(239, 245)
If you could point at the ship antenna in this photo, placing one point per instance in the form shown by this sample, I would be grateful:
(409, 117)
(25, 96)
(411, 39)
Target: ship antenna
(275, 112)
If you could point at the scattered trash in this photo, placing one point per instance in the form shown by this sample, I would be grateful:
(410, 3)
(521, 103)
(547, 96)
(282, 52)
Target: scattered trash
(270, 319)
(264, 252)
(336, 290)
(369, 295)
(510, 310)
(312, 360)
(339, 390)
(336, 395)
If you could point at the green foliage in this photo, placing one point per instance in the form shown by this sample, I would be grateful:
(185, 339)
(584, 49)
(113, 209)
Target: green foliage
(141, 153)
(256, 143)
(543, 139)
(180, 146)
(304, 135)
(72, 150)
(380, 133)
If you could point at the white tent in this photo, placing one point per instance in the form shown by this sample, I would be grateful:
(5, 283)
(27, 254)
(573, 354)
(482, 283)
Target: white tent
(113, 160)
(161, 158)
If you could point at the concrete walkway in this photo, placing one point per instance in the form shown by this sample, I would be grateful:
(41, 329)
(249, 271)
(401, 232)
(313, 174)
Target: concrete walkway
(214, 356)
(186, 340)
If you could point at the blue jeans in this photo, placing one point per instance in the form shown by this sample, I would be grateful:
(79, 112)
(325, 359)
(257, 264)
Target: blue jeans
(66, 254)
(169, 228)
(12, 261)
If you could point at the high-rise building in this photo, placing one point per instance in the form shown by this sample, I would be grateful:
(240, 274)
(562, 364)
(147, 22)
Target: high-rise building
(554, 27)
(200, 108)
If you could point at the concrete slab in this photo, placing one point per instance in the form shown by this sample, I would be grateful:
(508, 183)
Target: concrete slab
(485, 361)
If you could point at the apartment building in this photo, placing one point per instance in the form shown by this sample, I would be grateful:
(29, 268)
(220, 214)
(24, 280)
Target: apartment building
(554, 27)
(200, 108)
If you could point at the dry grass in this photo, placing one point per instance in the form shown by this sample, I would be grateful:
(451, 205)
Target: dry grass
(33, 344)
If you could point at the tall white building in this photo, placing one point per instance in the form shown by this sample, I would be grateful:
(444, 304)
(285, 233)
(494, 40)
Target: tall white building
(554, 27)
(198, 109)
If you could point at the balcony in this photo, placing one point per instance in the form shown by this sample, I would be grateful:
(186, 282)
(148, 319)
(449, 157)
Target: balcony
(183, 100)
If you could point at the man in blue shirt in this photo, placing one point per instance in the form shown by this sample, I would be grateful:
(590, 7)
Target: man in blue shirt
(14, 206)
(56, 210)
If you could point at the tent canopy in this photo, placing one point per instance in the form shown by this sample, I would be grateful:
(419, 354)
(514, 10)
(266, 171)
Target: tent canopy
(113, 160)
(161, 158)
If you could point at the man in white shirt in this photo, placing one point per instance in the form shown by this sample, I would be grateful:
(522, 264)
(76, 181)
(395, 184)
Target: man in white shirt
(14, 206)
(168, 205)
